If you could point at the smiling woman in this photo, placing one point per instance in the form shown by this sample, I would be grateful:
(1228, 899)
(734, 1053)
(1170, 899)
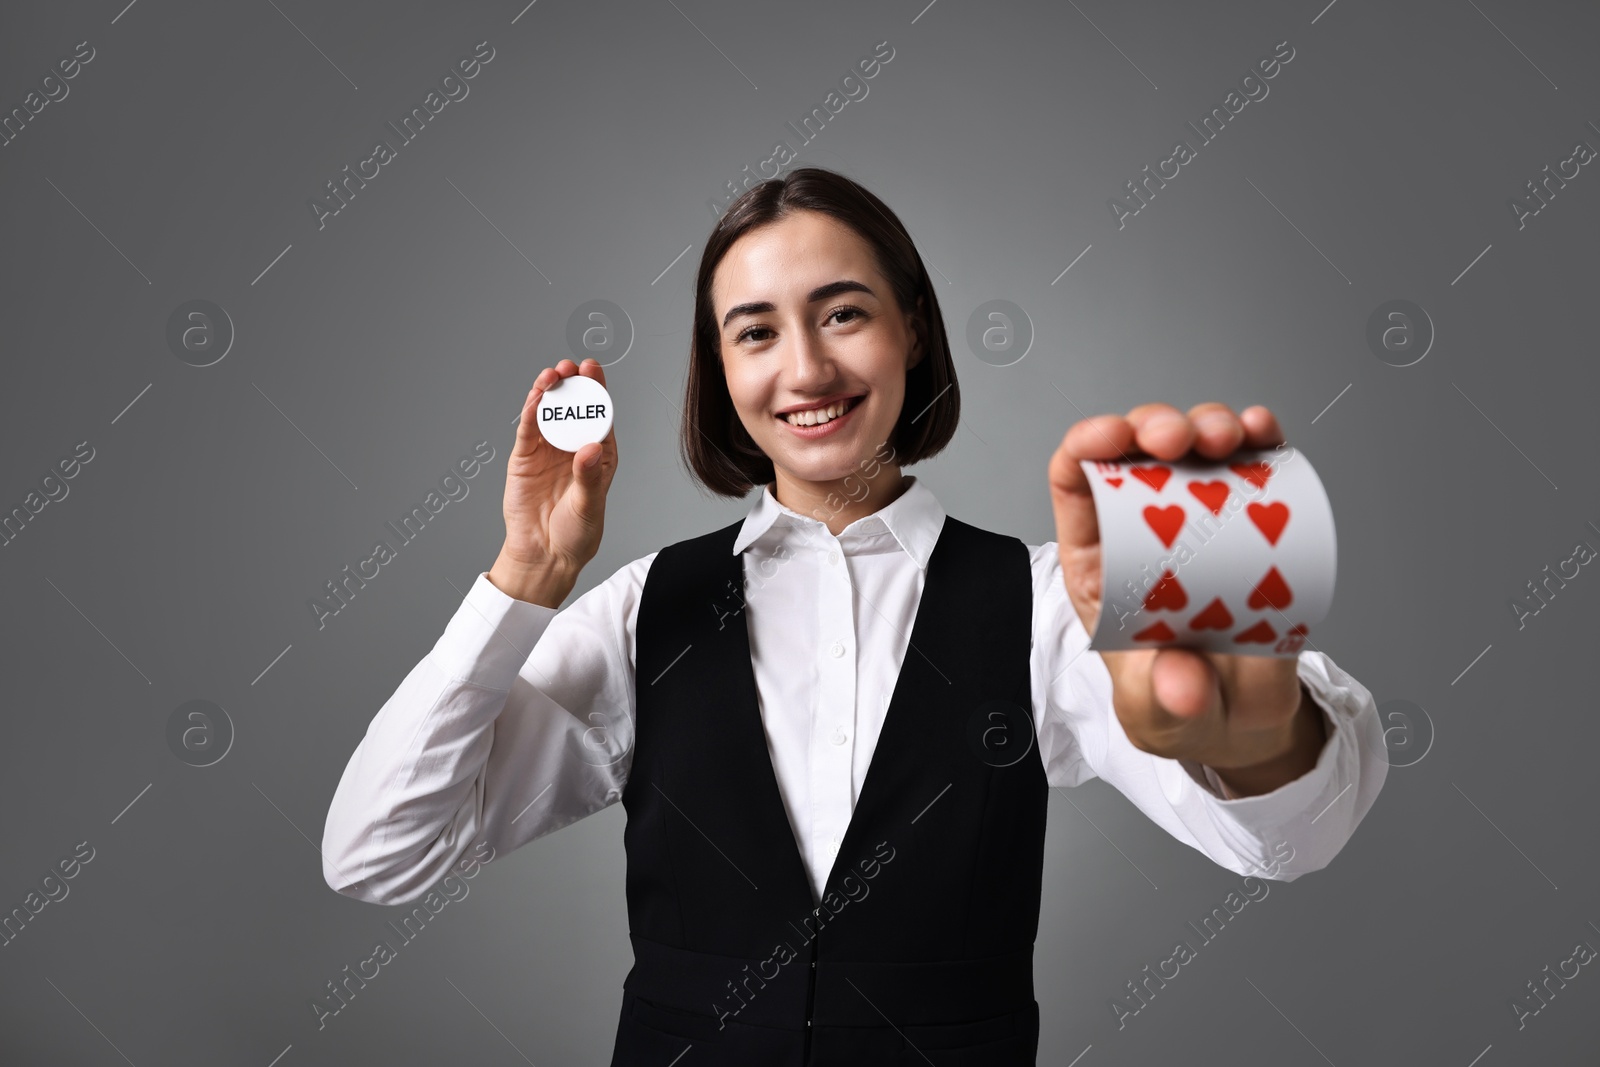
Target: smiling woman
(824, 680)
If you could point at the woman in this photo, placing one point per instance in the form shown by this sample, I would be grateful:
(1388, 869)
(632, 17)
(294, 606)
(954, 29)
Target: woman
(820, 719)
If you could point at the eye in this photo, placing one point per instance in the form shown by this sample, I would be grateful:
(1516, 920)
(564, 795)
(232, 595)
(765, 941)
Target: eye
(844, 309)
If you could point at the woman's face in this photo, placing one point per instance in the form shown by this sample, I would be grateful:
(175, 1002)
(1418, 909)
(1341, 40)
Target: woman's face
(807, 323)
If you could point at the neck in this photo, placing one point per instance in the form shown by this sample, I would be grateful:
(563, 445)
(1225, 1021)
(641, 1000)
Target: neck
(838, 503)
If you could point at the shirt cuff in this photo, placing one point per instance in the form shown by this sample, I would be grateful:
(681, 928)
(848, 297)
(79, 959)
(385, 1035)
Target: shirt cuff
(1264, 812)
(490, 637)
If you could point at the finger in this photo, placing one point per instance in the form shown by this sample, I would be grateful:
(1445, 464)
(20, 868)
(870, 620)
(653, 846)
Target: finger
(1261, 429)
(1102, 437)
(545, 380)
(551, 377)
(566, 368)
(1218, 431)
(1161, 430)
(528, 435)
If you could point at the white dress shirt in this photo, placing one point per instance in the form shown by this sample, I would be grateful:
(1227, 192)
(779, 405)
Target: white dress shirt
(520, 720)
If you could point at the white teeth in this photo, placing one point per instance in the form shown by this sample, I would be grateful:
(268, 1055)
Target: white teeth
(818, 416)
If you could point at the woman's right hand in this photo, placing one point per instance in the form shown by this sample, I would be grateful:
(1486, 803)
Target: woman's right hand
(555, 501)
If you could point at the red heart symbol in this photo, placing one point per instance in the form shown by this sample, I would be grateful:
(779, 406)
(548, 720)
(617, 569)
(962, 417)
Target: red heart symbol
(1299, 629)
(1114, 482)
(1166, 594)
(1270, 519)
(1159, 632)
(1259, 634)
(1215, 617)
(1166, 522)
(1271, 591)
(1254, 473)
(1212, 494)
(1154, 477)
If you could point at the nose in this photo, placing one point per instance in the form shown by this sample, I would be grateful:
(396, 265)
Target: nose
(809, 362)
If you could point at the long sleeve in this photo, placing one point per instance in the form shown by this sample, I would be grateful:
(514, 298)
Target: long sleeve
(518, 722)
(1296, 828)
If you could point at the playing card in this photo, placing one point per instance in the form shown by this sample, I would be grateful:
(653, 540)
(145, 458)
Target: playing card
(1236, 556)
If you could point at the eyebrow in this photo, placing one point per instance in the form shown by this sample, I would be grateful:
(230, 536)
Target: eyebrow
(821, 292)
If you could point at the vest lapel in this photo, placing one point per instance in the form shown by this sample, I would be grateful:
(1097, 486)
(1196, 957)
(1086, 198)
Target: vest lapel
(899, 760)
(747, 734)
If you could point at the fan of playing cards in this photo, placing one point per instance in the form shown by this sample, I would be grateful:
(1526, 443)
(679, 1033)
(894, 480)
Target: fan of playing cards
(1235, 557)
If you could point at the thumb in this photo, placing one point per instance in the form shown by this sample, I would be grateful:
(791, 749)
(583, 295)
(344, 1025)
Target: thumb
(1184, 683)
(588, 497)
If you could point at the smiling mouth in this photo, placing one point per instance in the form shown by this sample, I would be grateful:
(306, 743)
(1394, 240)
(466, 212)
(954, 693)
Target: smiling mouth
(819, 416)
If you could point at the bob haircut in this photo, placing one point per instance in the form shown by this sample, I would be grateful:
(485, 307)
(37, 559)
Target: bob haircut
(720, 453)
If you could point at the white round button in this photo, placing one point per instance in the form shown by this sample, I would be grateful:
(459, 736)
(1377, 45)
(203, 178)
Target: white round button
(833, 557)
(574, 412)
(838, 737)
(837, 650)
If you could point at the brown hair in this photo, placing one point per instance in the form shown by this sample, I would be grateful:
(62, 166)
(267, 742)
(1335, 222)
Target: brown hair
(718, 450)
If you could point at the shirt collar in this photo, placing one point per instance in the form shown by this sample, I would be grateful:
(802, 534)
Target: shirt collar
(914, 519)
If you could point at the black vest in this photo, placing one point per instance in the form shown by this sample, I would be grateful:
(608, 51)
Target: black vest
(921, 949)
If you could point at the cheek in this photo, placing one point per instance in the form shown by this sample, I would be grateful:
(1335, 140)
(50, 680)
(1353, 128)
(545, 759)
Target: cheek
(752, 411)
(738, 389)
(752, 393)
(891, 397)
(749, 404)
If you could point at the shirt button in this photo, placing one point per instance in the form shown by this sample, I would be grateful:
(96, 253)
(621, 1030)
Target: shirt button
(833, 557)
(839, 737)
(837, 650)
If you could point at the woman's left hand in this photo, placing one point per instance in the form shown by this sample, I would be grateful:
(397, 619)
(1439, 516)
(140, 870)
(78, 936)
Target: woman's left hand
(1248, 713)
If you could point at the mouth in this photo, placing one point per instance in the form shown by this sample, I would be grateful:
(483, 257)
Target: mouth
(820, 418)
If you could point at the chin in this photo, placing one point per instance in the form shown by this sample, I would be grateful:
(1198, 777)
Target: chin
(842, 461)
(823, 475)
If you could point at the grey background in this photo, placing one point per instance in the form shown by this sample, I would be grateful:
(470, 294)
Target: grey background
(408, 328)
